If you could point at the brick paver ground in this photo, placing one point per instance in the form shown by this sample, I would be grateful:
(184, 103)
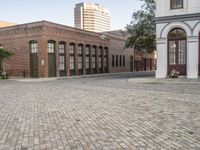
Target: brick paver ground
(102, 113)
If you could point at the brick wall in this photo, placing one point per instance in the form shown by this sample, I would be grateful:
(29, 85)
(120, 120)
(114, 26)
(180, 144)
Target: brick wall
(17, 38)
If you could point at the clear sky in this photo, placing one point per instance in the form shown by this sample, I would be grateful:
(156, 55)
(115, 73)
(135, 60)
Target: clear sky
(62, 11)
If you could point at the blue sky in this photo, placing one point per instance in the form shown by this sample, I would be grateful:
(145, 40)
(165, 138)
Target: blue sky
(62, 11)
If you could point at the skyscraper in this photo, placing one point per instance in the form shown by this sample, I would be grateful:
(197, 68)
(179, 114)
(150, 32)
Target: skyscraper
(6, 24)
(91, 17)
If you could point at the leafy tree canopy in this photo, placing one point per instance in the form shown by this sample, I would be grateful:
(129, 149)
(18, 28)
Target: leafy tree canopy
(4, 54)
(142, 29)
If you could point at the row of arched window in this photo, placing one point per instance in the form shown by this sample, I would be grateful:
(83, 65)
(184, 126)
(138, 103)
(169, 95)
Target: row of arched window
(92, 54)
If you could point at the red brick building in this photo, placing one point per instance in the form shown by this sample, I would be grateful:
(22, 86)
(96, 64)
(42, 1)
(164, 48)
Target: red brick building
(45, 49)
(144, 61)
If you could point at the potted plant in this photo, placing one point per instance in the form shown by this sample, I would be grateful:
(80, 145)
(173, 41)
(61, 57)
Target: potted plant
(174, 74)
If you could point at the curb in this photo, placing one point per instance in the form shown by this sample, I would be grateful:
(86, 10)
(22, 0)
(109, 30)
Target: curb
(72, 77)
(181, 81)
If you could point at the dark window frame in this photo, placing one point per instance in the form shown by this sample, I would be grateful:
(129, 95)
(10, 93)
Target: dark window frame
(94, 58)
(113, 60)
(116, 61)
(72, 55)
(124, 60)
(120, 60)
(34, 48)
(80, 56)
(100, 57)
(62, 53)
(172, 6)
(87, 57)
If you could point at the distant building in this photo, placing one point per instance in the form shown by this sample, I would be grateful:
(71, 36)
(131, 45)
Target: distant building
(6, 24)
(177, 31)
(45, 49)
(137, 60)
(91, 17)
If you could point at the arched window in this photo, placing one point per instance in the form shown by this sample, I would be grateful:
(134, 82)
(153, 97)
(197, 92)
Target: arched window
(105, 59)
(176, 4)
(177, 50)
(62, 58)
(80, 59)
(33, 59)
(100, 58)
(72, 58)
(87, 57)
(34, 47)
(94, 58)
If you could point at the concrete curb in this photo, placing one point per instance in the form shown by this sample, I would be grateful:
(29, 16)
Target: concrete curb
(163, 81)
(71, 77)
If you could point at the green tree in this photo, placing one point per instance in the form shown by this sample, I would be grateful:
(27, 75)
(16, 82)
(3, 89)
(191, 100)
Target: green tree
(142, 29)
(4, 54)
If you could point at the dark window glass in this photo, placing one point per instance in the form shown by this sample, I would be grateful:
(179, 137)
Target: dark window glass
(100, 57)
(116, 60)
(87, 58)
(120, 60)
(94, 57)
(177, 33)
(72, 62)
(62, 56)
(71, 49)
(124, 61)
(105, 57)
(176, 4)
(34, 47)
(51, 47)
(113, 60)
(80, 57)
(177, 47)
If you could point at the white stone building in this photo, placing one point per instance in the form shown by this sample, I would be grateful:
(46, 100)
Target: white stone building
(177, 31)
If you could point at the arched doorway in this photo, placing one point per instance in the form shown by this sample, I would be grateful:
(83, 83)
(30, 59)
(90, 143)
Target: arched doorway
(51, 58)
(33, 59)
(177, 51)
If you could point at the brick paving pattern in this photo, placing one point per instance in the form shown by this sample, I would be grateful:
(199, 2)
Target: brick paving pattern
(99, 113)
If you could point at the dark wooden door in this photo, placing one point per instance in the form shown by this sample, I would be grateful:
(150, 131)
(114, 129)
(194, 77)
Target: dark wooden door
(177, 54)
(62, 65)
(131, 63)
(34, 65)
(52, 65)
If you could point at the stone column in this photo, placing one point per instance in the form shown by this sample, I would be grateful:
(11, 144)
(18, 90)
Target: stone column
(192, 57)
(161, 71)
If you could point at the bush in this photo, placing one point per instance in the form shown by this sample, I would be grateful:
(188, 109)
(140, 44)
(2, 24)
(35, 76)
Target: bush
(174, 74)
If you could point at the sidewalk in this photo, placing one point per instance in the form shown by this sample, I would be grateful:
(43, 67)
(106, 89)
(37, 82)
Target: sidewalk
(180, 80)
(66, 77)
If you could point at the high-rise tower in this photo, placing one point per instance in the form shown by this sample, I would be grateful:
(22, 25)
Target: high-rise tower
(91, 17)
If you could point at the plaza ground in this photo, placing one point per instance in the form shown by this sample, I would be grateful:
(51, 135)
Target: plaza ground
(99, 113)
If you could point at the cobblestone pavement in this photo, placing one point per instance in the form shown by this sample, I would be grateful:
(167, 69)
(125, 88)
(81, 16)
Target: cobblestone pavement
(99, 113)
